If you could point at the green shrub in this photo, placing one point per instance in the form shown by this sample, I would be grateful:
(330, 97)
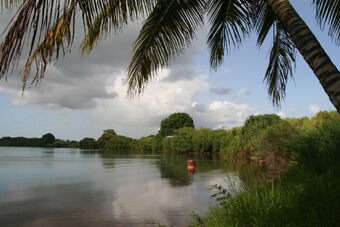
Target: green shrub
(118, 144)
(255, 124)
(180, 142)
(88, 143)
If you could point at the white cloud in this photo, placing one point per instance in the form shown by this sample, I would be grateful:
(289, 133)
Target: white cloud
(314, 109)
(223, 114)
(142, 115)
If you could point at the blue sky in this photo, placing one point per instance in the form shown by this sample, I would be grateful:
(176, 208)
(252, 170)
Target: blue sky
(85, 95)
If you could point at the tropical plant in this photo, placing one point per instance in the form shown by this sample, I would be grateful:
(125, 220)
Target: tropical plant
(48, 27)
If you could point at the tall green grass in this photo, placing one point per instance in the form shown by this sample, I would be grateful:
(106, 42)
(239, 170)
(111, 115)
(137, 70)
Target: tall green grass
(312, 202)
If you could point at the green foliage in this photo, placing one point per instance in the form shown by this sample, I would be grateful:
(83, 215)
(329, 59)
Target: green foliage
(65, 144)
(111, 142)
(231, 144)
(118, 144)
(180, 142)
(210, 141)
(21, 142)
(260, 136)
(317, 147)
(189, 140)
(105, 137)
(148, 144)
(36, 142)
(254, 124)
(202, 141)
(276, 138)
(88, 143)
(299, 199)
(307, 195)
(175, 121)
(48, 138)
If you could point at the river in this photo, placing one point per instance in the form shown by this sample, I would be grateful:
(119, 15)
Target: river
(71, 187)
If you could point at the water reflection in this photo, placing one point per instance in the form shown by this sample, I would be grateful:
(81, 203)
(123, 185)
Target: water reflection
(67, 203)
(174, 168)
(69, 187)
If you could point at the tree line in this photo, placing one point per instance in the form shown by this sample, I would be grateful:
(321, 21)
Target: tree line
(267, 140)
(47, 140)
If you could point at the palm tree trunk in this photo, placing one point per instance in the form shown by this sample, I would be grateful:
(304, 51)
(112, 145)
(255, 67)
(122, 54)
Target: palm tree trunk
(310, 49)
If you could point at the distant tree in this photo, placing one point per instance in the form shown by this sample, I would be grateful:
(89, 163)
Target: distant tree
(105, 137)
(48, 138)
(88, 143)
(175, 121)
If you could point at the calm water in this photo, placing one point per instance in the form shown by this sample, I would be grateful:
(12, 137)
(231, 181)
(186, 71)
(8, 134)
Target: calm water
(69, 187)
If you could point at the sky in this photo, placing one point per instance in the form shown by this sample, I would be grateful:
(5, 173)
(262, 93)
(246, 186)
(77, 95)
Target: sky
(83, 95)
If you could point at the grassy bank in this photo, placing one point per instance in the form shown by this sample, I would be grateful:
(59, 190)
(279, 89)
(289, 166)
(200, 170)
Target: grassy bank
(305, 190)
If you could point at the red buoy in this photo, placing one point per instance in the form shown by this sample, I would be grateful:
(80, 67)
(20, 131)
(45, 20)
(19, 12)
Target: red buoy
(191, 164)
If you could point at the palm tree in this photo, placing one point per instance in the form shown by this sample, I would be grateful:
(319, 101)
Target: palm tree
(169, 27)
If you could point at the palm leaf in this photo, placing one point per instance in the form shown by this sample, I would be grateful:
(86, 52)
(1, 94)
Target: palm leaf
(167, 31)
(113, 16)
(230, 23)
(47, 27)
(328, 13)
(282, 55)
(264, 20)
(281, 65)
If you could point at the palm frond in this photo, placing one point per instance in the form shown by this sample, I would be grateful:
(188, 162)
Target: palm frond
(47, 29)
(35, 20)
(328, 13)
(58, 39)
(113, 16)
(230, 24)
(283, 51)
(167, 31)
(281, 64)
(264, 20)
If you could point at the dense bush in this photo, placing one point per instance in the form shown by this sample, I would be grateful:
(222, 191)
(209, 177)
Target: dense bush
(88, 143)
(147, 144)
(181, 141)
(318, 146)
(255, 124)
(118, 144)
(189, 140)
